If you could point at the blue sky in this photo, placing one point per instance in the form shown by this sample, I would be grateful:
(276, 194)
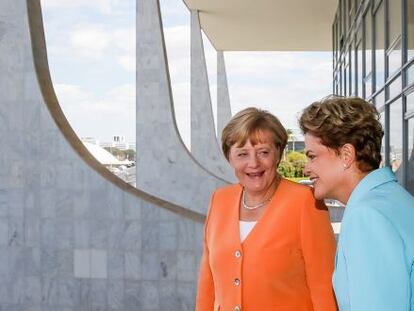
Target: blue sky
(91, 50)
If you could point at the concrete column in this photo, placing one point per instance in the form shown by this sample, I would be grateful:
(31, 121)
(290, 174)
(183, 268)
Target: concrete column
(204, 146)
(223, 97)
(165, 167)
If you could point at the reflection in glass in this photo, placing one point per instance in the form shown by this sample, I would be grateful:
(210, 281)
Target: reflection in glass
(352, 73)
(344, 15)
(351, 11)
(379, 100)
(380, 47)
(368, 86)
(410, 166)
(410, 103)
(410, 29)
(346, 84)
(396, 138)
(394, 89)
(359, 33)
(394, 58)
(382, 120)
(410, 75)
(368, 44)
(394, 19)
(359, 71)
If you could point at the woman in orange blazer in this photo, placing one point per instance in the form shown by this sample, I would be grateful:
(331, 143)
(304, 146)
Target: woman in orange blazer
(268, 243)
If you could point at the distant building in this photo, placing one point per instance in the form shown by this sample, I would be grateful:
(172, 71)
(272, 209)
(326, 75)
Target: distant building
(119, 142)
(296, 141)
(295, 145)
(90, 140)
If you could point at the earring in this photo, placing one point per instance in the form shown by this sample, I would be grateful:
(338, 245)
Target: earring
(345, 166)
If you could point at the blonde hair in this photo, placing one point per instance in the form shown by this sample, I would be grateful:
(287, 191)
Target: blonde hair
(250, 124)
(339, 120)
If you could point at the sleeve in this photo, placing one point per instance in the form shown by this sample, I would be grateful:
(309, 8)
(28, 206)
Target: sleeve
(318, 247)
(205, 291)
(378, 277)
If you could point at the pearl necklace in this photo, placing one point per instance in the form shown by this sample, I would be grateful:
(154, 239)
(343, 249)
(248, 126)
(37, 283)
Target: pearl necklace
(248, 207)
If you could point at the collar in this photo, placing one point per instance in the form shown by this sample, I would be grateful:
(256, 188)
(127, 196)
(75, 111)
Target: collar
(372, 180)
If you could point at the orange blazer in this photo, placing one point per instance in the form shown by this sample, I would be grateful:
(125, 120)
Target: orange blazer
(285, 263)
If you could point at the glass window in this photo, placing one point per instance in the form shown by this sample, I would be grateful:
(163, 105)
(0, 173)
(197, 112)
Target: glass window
(410, 74)
(410, 103)
(359, 32)
(379, 47)
(352, 75)
(351, 11)
(368, 86)
(346, 73)
(382, 120)
(410, 29)
(338, 35)
(395, 88)
(359, 69)
(410, 166)
(368, 43)
(396, 138)
(346, 81)
(394, 58)
(379, 100)
(394, 19)
(344, 16)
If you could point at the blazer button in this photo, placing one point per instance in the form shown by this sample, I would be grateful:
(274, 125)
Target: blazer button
(236, 282)
(237, 308)
(237, 254)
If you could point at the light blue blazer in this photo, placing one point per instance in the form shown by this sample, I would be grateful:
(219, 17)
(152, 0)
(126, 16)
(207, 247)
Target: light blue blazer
(375, 253)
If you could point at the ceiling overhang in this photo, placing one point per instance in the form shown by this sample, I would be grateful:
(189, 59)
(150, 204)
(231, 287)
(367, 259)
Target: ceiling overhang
(267, 25)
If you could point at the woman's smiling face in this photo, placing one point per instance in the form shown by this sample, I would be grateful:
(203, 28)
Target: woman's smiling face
(324, 167)
(255, 165)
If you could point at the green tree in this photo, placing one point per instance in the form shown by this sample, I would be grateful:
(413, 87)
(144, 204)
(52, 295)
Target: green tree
(298, 161)
(286, 169)
(293, 165)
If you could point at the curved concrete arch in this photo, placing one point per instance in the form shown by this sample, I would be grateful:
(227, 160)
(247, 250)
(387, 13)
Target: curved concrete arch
(204, 146)
(51, 101)
(165, 167)
(72, 236)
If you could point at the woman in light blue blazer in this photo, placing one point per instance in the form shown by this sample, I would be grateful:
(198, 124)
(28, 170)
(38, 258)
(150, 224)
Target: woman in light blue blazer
(374, 265)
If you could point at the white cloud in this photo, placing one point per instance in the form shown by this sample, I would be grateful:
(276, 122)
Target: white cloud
(127, 62)
(102, 6)
(99, 115)
(177, 41)
(89, 40)
(283, 83)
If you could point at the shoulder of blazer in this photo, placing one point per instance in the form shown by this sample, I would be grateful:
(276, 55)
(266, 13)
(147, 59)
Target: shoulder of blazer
(224, 197)
(227, 193)
(296, 190)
